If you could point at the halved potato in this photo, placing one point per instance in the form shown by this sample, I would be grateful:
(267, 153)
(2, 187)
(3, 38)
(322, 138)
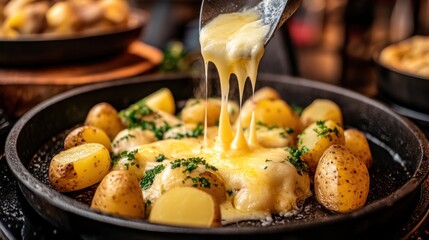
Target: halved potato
(87, 134)
(186, 206)
(105, 117)
(119, 193)
(161, 100)
(341, 182)
(79, 167)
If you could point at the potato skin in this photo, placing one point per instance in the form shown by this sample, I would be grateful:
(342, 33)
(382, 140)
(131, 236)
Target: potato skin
(119, 193)
(194, 111)
(357, 143)
(341, 181)
(317, 143)
(104, 116)
(87, 134)
(271, 113)
(79, 167)
(321, 109)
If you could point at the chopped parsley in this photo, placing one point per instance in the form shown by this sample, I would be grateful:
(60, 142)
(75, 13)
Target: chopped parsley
(158, 131)
(149, 176)
(191, 164)
(295, 159)
(323, 131)
(286, 132)
(130, 156)
(194, 133)
(161, 157)
(270, 127)
(126, 137)
(198, 181)
(132, 116)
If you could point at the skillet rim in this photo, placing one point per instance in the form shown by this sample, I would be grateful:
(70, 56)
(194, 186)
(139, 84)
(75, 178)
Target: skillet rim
(71, 206)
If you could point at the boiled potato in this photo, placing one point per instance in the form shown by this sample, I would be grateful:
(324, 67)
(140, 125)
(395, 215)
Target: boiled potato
(116, 11)
(186, 206)
(79, 167)
(119, 193)
(316, 138)
(265, 93)
(321, 110)
(272, 113)
(341, 182)
(62, 17)
(87, 134)
(194, 111)
(130, 138)
(357, 143)
(161, 100)
(105, 117)
(273, 137)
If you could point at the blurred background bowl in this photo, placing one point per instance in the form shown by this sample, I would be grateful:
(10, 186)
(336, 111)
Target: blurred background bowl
(46, 50)
(407, 89)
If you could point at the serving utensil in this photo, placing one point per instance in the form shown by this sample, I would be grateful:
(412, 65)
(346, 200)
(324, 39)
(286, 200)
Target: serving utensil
(273, 12)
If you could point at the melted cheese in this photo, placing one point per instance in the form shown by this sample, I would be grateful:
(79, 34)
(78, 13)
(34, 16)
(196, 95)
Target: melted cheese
(234, 42)
(261, 180)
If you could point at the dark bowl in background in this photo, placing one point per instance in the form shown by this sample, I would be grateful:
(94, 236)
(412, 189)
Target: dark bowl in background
(47, 50)
(407, 89)
(379, 216)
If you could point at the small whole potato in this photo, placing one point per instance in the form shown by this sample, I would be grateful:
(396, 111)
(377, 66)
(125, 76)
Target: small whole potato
(341, 181)
(316, 138)
(321, 110)
(357, 143)
(87, 134)
(272, 113)
(79, 167)
(119, 193)
(105, 117)
(194, 111)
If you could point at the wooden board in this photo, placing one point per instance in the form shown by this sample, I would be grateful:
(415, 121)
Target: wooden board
(22, 88)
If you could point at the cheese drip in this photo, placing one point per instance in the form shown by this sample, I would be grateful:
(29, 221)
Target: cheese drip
(234, 43)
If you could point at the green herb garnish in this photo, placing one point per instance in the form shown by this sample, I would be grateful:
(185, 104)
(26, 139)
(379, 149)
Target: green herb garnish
(191, 164)
(323, 131)
(196, 132)
(150, 175)
(201, 181)
(160, 158)
(270, 127)
(295, 159)
(297, 109)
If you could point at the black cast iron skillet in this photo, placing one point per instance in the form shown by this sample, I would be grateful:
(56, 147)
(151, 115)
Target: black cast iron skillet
(393, 187)
(44, 50)
(407, 89)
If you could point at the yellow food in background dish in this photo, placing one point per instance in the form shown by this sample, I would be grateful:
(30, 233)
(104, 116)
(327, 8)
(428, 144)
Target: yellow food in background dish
(29, 18)
(410, 55)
